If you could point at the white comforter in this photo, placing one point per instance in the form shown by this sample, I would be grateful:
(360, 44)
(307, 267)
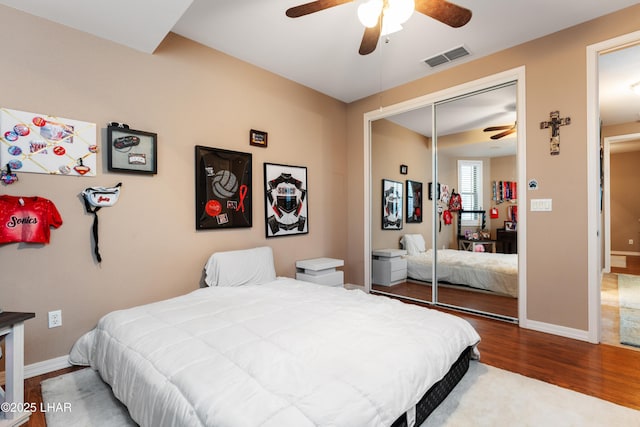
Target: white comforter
(286, 353)
(483, 270)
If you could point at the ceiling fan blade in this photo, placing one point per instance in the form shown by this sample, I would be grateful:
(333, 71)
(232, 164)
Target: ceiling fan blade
(448, 13)
(370, 38)
(494, 128)
(503, 134)
(314, 6)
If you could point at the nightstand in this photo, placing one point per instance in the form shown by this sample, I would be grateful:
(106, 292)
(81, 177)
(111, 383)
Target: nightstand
(321, 271)
(388, 267)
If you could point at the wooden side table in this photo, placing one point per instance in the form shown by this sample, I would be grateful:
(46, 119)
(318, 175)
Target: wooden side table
(12, 329)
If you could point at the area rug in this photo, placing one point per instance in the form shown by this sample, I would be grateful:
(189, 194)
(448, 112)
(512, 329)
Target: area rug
(486, 396)
(82, 399)
(629, 295)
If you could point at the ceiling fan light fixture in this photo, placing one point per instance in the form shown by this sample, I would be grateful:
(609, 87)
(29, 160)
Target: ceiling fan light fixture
(399, 11)
(394, 13)
(369, 11)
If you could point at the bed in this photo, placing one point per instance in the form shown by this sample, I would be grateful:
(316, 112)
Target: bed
(486, 271)
(255, 350)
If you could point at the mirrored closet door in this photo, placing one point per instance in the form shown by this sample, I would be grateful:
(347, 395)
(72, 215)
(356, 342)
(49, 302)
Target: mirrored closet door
(452, 166)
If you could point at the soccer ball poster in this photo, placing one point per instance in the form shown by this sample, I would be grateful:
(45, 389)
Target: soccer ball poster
(38, 143)
(223, 189)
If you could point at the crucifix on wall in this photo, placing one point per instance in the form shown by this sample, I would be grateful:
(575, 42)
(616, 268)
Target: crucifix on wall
(554, 124)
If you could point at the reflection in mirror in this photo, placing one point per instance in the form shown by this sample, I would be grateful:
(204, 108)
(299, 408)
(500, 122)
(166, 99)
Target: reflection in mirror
(477, 267)
(393, 145)
(474, 165)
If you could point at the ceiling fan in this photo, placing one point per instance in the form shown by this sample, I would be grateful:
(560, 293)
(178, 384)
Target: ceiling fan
(377, 15)
(508, 130)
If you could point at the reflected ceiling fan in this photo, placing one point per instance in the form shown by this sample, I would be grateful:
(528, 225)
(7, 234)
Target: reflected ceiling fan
(382, 17)
(508, 130)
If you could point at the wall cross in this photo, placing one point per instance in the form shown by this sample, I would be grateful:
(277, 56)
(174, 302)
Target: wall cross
(554, 124)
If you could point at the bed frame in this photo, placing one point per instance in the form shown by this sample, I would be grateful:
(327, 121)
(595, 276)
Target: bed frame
(438, 392)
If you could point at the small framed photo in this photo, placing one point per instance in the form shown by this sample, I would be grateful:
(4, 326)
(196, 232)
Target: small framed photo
(131, 150)
(509, 226)
(404, 169)
(258, 138)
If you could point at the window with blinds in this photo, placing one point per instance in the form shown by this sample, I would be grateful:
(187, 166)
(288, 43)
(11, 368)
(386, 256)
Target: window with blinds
(470, 190)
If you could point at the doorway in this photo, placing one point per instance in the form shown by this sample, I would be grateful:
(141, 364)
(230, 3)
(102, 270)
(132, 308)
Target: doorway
(607, 124)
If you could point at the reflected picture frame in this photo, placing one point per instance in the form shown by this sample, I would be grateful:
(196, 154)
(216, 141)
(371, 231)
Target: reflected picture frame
(414, 201)
(510, 226)
(392, 205)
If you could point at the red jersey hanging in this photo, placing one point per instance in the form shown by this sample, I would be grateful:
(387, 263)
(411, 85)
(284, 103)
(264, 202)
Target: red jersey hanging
(27, 219)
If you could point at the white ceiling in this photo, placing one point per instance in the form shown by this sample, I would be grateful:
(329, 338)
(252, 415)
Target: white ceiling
(321, 50)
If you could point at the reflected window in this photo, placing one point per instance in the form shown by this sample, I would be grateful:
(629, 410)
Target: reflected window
(470, 190)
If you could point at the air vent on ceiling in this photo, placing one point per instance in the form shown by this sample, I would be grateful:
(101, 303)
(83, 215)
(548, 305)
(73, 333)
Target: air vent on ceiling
(448, 56)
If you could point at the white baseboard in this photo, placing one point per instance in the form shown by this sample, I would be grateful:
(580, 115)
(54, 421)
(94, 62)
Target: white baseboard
(629, 253)
(46, 366)
(40, 368)
(576, 334)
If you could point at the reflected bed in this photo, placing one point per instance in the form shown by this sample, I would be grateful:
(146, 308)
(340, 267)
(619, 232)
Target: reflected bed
(484, 271)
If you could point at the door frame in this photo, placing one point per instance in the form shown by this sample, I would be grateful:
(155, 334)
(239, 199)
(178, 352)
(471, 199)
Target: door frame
(606, 200)
(594, 215)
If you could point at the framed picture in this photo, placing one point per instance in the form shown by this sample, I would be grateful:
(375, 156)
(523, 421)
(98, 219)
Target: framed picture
(286, 197)
(404, 169)
(414, 201)
(431, 189)
(223, 188)
(391, 205)
(258, 138)
(132, 150)
(509, 226)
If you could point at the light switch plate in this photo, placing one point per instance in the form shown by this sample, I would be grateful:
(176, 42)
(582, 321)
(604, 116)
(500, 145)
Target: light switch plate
(541, 205)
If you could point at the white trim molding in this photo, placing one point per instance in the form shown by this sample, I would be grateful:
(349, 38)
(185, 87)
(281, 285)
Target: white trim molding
(46, 366)
(563, 331)
(43, 367)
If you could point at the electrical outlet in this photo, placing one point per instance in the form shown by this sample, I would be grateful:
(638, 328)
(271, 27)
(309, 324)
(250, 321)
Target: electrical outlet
(55, 319)
(631, 241)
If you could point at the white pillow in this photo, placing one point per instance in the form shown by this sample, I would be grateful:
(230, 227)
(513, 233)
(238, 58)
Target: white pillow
(413, 243)
(243, 267)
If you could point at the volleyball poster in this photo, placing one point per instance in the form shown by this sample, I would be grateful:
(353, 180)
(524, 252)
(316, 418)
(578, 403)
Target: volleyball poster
(223, 189)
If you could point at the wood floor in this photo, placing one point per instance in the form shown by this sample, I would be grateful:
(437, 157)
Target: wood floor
(605, 371)
(455, 295)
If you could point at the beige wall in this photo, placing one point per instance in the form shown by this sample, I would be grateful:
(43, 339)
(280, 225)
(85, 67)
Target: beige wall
(557, 253)
(190, 95)
(625, 203)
